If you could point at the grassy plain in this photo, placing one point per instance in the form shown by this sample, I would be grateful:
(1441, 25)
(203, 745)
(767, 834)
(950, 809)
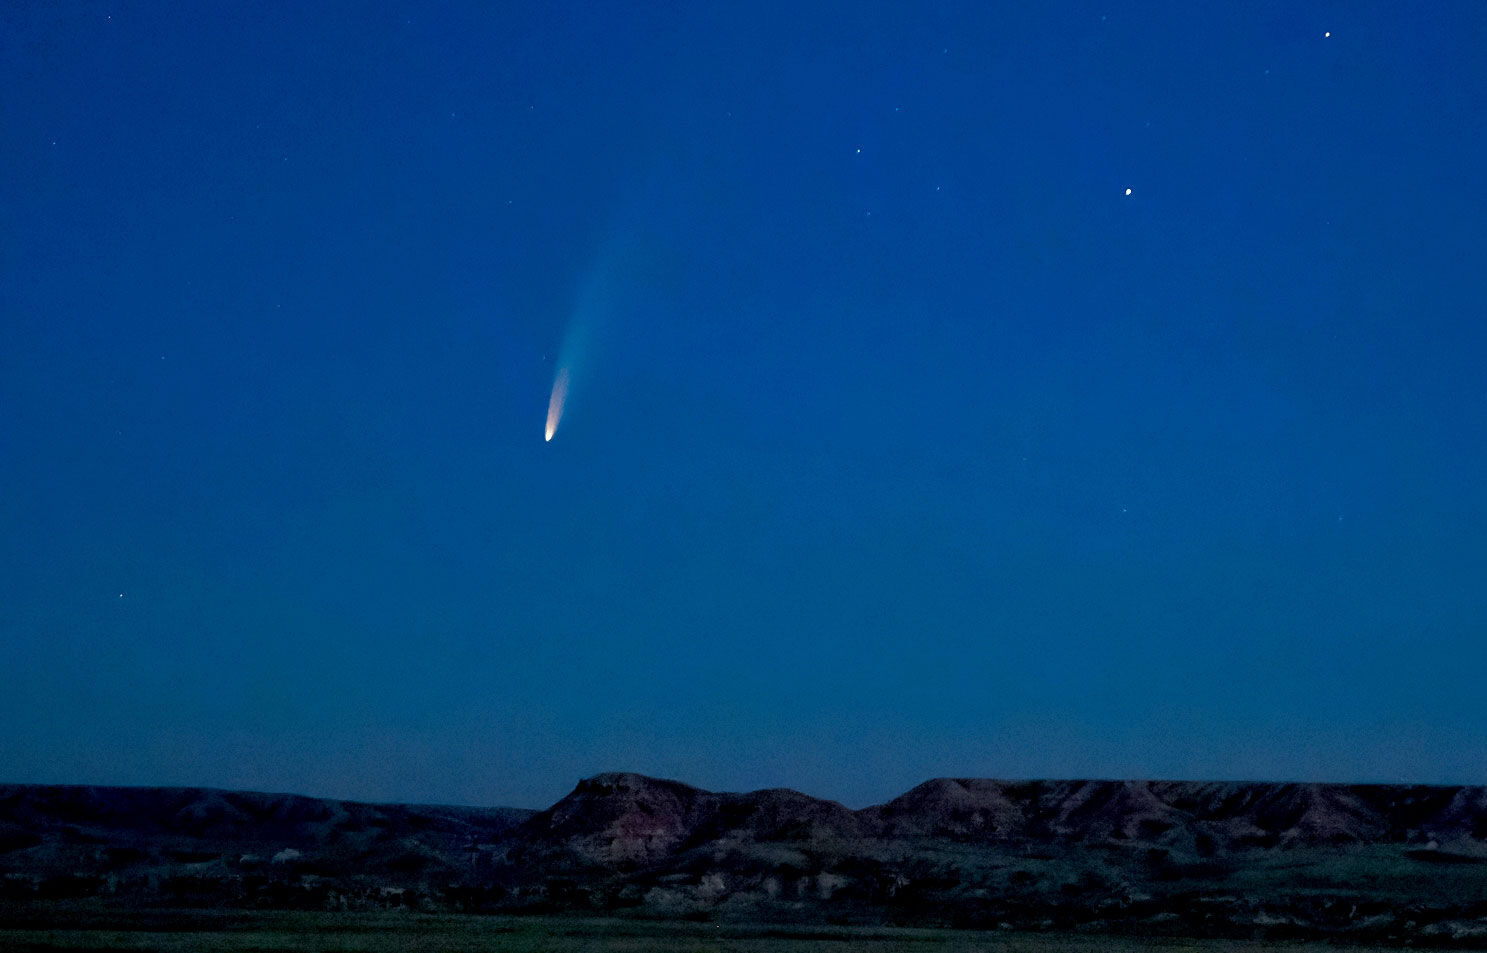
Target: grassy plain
(271, 932)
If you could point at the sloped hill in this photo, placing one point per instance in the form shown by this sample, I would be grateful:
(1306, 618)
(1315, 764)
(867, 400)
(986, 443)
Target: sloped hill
(66, 831)
(210, 814)
(615, 819)
(784, 815)
(956, 808)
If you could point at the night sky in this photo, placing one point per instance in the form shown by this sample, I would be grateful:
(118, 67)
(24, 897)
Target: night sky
(983, 389)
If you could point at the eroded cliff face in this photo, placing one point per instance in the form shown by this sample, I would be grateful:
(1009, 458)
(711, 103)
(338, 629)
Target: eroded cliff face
(619, 819)
(1364, 862)
(616, 819)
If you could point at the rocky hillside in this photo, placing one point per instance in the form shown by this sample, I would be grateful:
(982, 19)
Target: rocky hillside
(1368, 863)
(622, 820)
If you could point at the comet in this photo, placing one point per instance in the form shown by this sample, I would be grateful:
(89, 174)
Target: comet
(555, 403)
(606, 286)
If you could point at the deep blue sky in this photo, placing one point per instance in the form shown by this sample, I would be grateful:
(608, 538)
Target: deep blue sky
(902, 441)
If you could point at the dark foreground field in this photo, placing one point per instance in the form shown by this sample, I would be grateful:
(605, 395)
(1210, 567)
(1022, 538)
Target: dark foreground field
(394, 932)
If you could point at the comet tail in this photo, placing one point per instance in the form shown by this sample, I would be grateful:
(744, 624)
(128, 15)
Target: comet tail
(555, 405)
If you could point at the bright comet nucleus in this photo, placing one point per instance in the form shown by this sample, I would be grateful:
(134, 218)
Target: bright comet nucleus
(555, 404)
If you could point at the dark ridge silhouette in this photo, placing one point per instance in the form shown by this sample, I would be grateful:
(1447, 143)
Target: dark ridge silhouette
(1365, 863)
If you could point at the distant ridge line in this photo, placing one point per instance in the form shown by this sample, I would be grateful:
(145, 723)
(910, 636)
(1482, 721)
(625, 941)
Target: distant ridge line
(611, 777)
(1366, 863)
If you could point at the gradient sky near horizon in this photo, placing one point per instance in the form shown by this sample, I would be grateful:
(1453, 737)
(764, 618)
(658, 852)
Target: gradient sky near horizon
(976, 389)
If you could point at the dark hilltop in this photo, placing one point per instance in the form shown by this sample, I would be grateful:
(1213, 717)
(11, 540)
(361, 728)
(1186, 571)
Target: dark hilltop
(1366, 863)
